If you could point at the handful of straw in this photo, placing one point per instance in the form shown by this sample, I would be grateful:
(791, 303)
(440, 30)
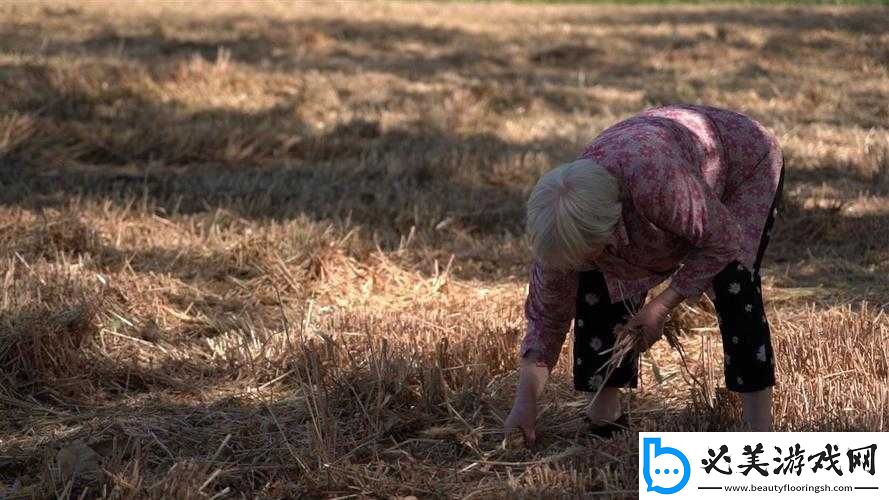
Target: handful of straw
(630, 340)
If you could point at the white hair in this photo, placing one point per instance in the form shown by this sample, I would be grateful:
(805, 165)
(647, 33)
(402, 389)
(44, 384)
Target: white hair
(572, 210)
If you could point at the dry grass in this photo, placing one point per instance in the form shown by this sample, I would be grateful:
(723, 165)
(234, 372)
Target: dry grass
(276, 250)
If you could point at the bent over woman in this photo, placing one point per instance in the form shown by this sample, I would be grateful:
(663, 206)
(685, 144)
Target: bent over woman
(685, 193)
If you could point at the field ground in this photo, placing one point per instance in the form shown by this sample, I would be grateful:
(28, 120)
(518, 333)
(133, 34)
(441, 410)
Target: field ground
(276, 249)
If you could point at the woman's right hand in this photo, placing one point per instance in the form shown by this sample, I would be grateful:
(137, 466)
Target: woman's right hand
(523, 416)
(532, 378)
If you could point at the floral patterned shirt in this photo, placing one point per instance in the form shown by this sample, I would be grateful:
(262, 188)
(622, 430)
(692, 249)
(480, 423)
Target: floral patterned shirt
(697, 184)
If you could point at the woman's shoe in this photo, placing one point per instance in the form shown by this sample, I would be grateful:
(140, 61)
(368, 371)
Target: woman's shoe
(607, 429)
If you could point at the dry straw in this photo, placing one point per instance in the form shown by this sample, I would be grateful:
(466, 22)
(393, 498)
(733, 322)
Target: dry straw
(225, 243)
(629, 340)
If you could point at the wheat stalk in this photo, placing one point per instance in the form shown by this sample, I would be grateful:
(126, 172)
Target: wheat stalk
(629, 340)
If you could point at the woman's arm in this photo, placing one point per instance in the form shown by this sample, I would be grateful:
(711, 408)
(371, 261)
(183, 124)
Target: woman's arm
(675, 200)
(549, 309)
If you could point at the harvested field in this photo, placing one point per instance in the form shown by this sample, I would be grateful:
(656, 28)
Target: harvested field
(277, 250)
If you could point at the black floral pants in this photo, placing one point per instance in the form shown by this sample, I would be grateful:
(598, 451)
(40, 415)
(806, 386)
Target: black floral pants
(746, 338)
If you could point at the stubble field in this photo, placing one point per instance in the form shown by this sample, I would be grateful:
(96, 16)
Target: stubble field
(277, 250)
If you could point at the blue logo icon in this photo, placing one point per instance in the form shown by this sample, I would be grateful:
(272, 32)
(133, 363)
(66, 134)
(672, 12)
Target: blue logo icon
(666, 479)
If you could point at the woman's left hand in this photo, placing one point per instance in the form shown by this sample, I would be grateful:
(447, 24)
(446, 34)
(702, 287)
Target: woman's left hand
(651, 318)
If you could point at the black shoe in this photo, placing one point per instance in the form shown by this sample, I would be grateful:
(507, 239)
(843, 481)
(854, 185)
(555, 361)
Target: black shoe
(606, 430)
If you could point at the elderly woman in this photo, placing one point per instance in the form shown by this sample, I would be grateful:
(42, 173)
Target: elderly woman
(684, 192)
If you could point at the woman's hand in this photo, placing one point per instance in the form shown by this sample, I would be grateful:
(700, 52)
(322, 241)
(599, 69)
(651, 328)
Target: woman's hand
(532, 378)
(651, 318)
(522, 416)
